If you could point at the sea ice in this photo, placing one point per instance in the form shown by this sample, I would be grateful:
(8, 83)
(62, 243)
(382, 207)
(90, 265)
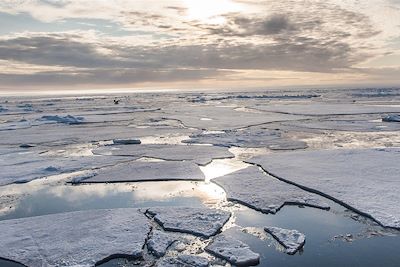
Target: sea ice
(126, 141)
(69, 119)
(201, 155)
(183, 261)
(366, 180)
(137, 171)
(292, 240)
(234, 251)
(81, 238)
(264, 193)
(391, 118)
(202, 222)
(159, 243)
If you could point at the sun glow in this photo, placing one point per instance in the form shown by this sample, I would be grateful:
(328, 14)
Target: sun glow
(210, 11)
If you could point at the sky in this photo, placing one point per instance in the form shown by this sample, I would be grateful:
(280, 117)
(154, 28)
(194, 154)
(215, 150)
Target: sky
(83, 44)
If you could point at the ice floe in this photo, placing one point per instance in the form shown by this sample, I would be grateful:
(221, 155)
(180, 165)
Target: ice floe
(234, 251)
(183, 261)
(81, 238)
(264, 193)
(137, 171)
(367, 180)
(201, 155)
(202, 222)
(291, 240)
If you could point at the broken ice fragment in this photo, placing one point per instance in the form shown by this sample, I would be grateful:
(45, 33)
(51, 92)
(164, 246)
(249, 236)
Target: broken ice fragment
(391, 118)
(292, 240)
(183, 261)
(81, 238)
(126, 141)
(262, 192)
(202, 222)
(60, 119)
(159, 243)
(234, 251)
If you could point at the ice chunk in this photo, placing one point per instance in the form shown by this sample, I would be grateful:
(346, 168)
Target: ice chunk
(137, 171)
(234, 251)
(292, 240)
(183, 261)
(366, 180)
(201, 155)
(81, 238)
(159, 243)
(202, 222)
(391, 118)
(126, 141)
(63, 119)
(262, 192)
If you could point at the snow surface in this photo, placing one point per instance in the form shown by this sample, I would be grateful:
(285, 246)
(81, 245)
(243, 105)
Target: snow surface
(81, 238)
(183, 261)
(366, 180)
(234, 251)
(264, 193)
(159, 242)
(136, 171)
(292, 240)
(252, 137)
(202, 222)
(201, 155)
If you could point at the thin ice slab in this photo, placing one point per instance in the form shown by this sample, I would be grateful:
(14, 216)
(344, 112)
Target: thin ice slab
(367, 180)
(202, 222)
(183, 261)
(234, 251)
(137, 171)
(264, 193)
(291, 240)
(201, 155)
(159, 242)
(81, 238)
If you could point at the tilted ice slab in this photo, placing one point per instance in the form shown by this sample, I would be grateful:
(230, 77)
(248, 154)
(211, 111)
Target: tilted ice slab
(234, 251)
(137, 171)
(247, 138)
(366, 180)
(81, 238)
(291, 240)
(202, 222)
(183, 261)
(201, 155)
(319, 108)
(159, 243)
(264, 193)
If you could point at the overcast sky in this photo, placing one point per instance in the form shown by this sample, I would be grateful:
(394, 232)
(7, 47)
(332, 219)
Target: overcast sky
(59, 44)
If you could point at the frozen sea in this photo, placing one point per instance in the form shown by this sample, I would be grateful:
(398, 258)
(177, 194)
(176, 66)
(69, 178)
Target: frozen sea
(195, 179)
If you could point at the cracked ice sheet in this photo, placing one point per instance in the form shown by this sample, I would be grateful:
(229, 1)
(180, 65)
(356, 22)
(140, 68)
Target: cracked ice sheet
(24, 166)
(81, 238)
(202, 222)
(317, 109)
(264, 193)
(201, 155)
(234, 251)
(248, 138)
(183, 261)
(222, 118)
(292, 240)
(365, 179)
(137, 171)
(159, 242)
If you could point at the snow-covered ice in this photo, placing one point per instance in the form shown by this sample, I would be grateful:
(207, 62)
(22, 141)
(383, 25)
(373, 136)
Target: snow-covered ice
(81, 238)
(183, 261)
(367, 180)
(234, 251)
(137, 171)
(201, 155)
(292, 240)
(264, 193)
(159, 242)
(202, 222)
